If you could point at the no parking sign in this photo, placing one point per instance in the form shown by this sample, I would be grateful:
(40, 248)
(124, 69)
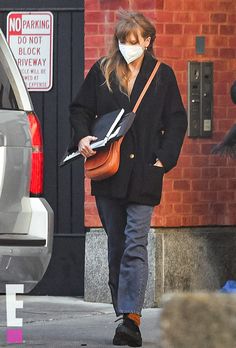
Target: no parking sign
(30, 36)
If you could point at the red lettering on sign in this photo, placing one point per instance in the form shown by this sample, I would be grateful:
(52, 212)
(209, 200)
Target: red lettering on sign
(15, 24)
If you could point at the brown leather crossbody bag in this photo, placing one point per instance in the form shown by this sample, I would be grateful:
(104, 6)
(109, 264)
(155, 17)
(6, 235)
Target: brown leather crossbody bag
(105, 163)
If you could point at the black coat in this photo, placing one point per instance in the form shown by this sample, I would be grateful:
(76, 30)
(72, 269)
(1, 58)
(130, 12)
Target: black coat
(161, 109)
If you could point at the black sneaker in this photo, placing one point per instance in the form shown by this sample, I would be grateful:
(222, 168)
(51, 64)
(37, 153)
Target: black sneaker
(127, 333)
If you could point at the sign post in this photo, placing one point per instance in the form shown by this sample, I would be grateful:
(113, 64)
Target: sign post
(30, 36)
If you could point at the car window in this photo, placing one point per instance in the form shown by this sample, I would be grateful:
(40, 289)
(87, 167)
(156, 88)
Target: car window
(13, 92)
(7, 97)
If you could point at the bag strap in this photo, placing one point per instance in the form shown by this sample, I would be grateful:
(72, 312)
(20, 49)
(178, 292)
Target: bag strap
(146, 86)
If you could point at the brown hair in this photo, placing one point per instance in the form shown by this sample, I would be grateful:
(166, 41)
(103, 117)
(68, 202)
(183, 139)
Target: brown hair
(129, 22)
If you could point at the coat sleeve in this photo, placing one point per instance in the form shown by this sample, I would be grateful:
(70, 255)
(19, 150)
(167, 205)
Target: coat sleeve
(83, 108)
(175, 125)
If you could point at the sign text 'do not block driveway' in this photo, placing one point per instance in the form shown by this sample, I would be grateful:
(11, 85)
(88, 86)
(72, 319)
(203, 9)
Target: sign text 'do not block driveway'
(30, 36)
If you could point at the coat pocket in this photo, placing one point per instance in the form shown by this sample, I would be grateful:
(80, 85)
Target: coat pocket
(152, 181)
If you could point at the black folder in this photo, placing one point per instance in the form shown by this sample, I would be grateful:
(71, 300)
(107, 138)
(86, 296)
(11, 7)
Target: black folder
(107, 128)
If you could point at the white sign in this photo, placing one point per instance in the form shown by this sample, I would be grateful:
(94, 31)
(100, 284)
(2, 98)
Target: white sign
(30, 36)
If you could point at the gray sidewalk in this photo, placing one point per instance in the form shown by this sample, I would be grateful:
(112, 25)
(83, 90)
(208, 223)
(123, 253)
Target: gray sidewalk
(50, 321)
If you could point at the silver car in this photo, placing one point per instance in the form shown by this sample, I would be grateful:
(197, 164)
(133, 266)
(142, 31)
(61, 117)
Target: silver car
(26, 219)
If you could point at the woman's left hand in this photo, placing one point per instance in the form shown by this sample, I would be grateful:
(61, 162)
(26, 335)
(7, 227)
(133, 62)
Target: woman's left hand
(158, 164)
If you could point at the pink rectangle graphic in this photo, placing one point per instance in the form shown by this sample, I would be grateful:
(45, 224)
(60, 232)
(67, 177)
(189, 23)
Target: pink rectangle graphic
(14, 336)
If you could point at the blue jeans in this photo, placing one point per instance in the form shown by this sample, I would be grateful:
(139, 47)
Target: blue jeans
(126, 226)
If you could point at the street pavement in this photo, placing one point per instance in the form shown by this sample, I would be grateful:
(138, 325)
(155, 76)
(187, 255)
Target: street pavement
(55, 322)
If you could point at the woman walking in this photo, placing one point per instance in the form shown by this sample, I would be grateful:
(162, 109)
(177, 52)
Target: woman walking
(150, 148)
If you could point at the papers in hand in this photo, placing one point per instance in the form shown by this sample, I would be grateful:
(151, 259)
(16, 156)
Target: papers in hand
(70, 157)
(107, 128)
(104, 128)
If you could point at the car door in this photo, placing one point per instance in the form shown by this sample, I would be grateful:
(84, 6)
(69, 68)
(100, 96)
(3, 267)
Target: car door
(15, 146)
(26, 218)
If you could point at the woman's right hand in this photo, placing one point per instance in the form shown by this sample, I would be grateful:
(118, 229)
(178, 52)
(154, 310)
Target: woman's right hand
(85, 148)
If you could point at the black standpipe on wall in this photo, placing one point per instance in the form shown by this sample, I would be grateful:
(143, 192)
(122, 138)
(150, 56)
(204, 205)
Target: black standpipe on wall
(200, 99)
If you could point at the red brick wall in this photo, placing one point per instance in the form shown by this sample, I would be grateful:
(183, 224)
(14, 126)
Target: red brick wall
(201, 189)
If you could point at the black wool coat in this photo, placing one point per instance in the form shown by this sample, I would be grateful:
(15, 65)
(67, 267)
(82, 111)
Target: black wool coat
(157, 132)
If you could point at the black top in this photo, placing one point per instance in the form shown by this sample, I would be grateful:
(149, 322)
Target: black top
(137, 180)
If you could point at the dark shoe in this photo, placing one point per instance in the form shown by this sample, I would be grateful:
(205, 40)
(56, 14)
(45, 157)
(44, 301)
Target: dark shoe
(119, 341)
(127, 333)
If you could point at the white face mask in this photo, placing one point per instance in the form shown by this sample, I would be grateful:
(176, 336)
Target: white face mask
(130, 52)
